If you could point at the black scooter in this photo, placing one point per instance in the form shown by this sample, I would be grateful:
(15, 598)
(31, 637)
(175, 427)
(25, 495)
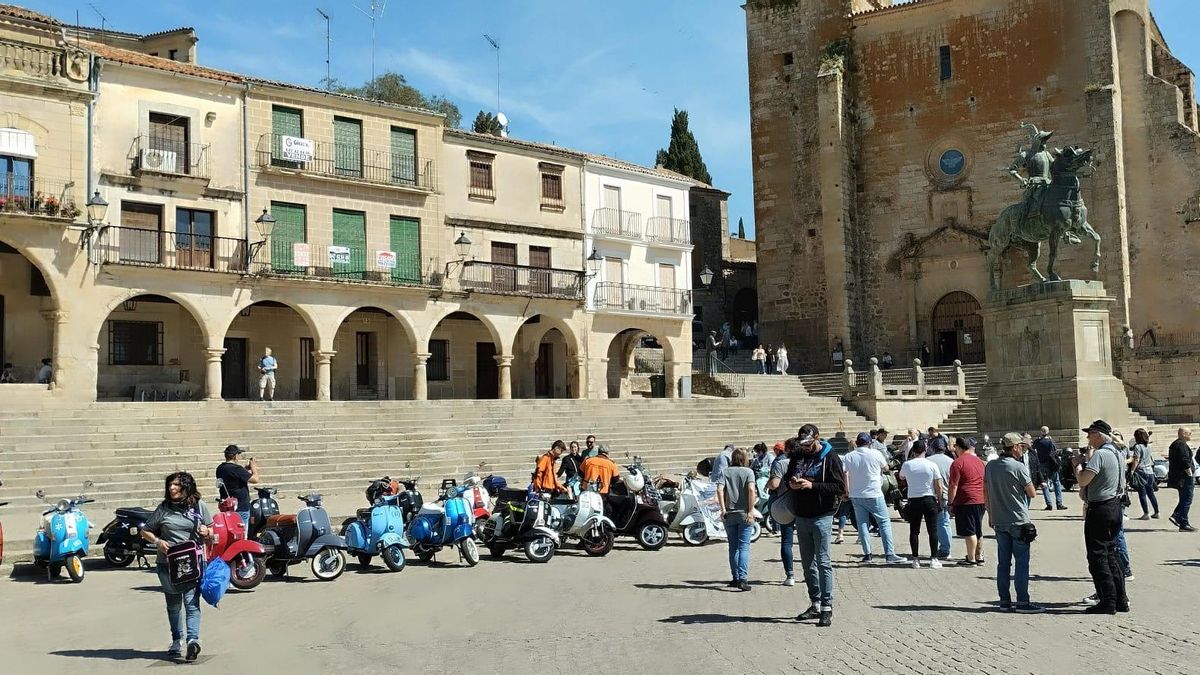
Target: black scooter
(637, 514)
(122, 538)
(261, 509)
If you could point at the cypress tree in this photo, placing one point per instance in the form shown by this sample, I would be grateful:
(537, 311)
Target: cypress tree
(683, 154)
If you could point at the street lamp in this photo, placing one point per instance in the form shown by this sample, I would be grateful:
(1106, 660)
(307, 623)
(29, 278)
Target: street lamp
(706, 276)
(265, 223)
(463, 244)
(97, 208)
(593, 262)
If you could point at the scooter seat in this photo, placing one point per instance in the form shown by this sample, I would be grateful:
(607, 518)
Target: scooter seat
(135, 512)
(364, 514)
(281, 519)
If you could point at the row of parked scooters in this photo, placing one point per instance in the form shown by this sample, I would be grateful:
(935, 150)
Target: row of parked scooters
(479, 512)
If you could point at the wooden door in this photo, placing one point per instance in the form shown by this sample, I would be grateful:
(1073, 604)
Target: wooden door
(308, 370)
(666, 287)
(234, 371)
(194, 238)
(539, 281)
(364, 359)
(141, 233)
(504, 278)
(543, 370)
(487, 371)
(614, 278)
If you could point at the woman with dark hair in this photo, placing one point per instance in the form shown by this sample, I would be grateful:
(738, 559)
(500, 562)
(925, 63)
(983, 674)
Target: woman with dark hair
(180, 518)
(1143, 463)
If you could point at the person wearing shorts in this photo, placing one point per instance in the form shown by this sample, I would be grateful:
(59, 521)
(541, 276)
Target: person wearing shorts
(267, 366)
(966, 499)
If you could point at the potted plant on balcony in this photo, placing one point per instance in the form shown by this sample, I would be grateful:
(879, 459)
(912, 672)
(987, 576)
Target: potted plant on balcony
(51, 205)
(68, 210)
(36, 202)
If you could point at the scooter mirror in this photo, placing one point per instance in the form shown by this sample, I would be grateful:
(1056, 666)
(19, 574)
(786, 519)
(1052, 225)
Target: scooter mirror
(40, 494)
(87, 485)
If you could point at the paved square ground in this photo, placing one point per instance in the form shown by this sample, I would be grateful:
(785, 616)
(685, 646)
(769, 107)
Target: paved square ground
(637, 611)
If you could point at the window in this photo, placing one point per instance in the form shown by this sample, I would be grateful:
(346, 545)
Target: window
(347, 147)
(173, 54)
(552, 186)
(788, 58)
(437, 369)
(135, 343)
(539, 258)
(291, 228)
(141, 233)
(480, 184)
(404, 156)
(406, 244)
(17, 176)
(504, 278)
(285, 122)
(168, 136)
(946, 65)
(194, 232)
(347, 256)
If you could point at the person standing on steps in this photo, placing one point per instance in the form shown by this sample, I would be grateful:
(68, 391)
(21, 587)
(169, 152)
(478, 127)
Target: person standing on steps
(770, 359)
(923, 480)
(925, 354)
(710, 352)
(1007, 489)
(1144, 466)
(736, 496)
(864, 469)
(817, 477)
(1045, 453)
(1180, 475)
(237, 479)
(781, 360)
(267, 366)
(759, 357)
(966, 499)
(181, 517)
(1099, 473)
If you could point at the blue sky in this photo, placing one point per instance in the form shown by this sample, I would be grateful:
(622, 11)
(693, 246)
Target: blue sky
(595, 76)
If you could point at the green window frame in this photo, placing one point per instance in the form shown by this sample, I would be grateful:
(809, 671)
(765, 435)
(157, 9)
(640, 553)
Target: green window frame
(291, 227)
(350, 231)
(405, 240)
(285, 121)
(404, 156)
(347, 147)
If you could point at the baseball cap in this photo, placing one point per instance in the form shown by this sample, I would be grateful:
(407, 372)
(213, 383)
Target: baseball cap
(780, 446)
(232, 451)
(1013, 439)
(1100, 426)
(863, 438)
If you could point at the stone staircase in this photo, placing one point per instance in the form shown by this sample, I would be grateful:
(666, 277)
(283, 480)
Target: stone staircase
(964, 419)
(337, 447)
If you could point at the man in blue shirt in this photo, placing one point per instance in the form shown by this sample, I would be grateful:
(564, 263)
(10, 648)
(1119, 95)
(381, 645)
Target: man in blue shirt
(267, 366)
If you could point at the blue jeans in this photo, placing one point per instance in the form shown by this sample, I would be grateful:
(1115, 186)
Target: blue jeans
(762, 367)
(943, 533)
(864, 508)
(1146, 494)
(787, 544)
(1056, 481)
(1009, 547)
(1123, 549)
(814, 535)
(179, 603)
(1187, 489)
(739, 531)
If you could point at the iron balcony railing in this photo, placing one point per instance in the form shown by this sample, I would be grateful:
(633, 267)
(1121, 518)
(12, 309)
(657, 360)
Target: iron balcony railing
(170, 156)
(617, 223)
(300, 259)
(173, 250)
(489, 277)
(353, 162)
(37, 196)
(669, 230)
(733, 382)
(649, 299)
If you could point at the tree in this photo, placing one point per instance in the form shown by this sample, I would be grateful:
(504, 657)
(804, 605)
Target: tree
(741, 229)
(683, 153)
(486, 123)
(392, 88)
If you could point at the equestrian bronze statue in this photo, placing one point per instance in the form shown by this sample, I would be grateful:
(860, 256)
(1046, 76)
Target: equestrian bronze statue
(1052, 210)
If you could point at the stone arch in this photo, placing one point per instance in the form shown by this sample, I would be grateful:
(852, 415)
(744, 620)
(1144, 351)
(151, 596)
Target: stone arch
(547, 356)
(623, 378)
(28, 321)
(182, 300)
(151, 346)
(468, 357)
(39, 265)
(373, 355)
(482, 317)
(300, 349)
(239, 307)
(956, 323)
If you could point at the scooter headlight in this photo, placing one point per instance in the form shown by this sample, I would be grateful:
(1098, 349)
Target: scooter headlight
(63, 505)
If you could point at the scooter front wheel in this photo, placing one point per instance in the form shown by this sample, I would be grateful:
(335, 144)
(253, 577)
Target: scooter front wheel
(393, 557)
(651, 536)
(469, 551)
(247, 571)
(600, 544)
(755, 531)
(695, 534)
(540, 549)
(328, 564)
(75, 571)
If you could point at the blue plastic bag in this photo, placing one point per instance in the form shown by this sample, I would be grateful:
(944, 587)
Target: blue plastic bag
(215, 581)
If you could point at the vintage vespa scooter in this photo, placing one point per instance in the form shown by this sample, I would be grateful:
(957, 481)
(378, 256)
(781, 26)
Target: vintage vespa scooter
(379, 528)
(122, 538)
(583, 519)
(307, 535)
(62, 539)
(246, 557)
(446, 522)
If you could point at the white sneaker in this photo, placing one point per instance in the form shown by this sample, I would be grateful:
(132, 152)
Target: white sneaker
(935, 563)
(1092, 599)
(839, 539)
(916, 564)
(789, 581)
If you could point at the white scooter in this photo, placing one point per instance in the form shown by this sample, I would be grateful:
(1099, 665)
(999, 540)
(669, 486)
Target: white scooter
(583, 519)
(696, 515)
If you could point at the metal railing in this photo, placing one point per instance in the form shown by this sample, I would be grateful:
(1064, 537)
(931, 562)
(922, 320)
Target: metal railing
(173, 250)
(170, 156)
(650, 299)
(490, 277)
(300, 259)
(617, 223)
(361, 163)
(37, 196)
(552, 204)
(669, 230)
(708, 364)
(480, 192)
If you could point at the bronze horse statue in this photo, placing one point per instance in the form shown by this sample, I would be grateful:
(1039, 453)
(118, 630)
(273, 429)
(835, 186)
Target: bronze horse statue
(1053, 213)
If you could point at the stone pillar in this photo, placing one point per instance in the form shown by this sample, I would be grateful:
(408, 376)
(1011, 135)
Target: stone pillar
(918, 375)
(601, 381)
(505, 363)
(212, 373)
(875, 385)
(847, 378)
(324, 362)
(671, 370)
(420, 388)
(960, 379)
(576, 376)
(63, 363)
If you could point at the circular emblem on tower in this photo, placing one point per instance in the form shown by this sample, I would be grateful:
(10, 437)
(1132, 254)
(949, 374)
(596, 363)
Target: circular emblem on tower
(948, 161)
(952, 162)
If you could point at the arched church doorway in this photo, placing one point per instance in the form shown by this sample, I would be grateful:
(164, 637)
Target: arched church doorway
(957, 329)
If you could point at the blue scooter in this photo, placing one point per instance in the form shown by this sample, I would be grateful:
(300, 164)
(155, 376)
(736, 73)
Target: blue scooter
(378, 530)
(62, 539)
(447, 522)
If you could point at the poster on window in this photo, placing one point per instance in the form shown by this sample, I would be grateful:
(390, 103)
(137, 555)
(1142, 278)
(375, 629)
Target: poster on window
(385, 260)
(296, 149)
(301, 254)
(339, 255)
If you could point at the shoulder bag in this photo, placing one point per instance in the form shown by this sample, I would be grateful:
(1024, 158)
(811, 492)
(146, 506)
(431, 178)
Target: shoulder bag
(185, 560)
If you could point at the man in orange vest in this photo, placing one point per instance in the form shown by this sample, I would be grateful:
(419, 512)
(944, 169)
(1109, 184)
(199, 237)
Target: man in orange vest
(545, 477)
(600, 469)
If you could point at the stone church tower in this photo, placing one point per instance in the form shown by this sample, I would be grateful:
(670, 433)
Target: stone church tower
(882, 133)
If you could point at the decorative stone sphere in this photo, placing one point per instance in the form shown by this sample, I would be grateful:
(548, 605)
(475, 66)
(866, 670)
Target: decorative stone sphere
(848, 362)
(957, 363)
(874, 361)
(917, 363)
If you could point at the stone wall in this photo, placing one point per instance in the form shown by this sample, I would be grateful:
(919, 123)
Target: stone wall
(1163, 383)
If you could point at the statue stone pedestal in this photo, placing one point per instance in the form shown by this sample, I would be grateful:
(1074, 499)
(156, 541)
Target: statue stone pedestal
(1049, 360)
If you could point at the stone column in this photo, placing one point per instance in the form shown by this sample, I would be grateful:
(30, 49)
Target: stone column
(212, 374)
(505, 363)
(601, 389)
(875, 388)
(847, 378)
(576, 376)
(62, 363)
(960, 379)
(420, 389)
(324, 361)
(671, 371)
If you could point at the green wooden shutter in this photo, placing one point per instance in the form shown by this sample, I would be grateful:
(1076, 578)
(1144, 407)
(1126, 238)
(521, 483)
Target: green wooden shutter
(284, 122)
(350, 231)
(406, 244)
(347, 147)
(290, 228)
(404, 156)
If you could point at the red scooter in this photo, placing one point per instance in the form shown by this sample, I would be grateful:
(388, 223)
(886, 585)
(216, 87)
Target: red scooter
(247, 566)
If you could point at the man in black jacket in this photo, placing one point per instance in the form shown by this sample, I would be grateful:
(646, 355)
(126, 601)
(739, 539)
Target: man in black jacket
(1180, 476)
(818, 484)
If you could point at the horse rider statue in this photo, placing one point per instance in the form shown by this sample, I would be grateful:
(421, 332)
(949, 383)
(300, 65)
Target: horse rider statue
(1036, 163)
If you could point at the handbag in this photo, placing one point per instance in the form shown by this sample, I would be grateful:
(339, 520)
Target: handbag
(185, 563)
(1027, 532)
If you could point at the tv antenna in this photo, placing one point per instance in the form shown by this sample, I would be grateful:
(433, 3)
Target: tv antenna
(103, 19)
(382, 6)
(328, 76)
(495, 45)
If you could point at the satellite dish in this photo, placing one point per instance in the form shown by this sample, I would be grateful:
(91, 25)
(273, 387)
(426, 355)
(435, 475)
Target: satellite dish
(502, 119)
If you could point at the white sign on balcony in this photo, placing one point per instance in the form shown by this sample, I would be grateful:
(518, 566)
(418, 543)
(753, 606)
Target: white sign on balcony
(296, 149)
(301, 254)
(339, 255)
(385, 260)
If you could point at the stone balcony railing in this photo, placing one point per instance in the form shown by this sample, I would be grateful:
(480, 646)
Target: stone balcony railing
(917, 383)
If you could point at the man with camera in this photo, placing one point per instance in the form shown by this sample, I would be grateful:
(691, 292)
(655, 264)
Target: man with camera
(236, 479)
(1007, 489)
(1100, 472)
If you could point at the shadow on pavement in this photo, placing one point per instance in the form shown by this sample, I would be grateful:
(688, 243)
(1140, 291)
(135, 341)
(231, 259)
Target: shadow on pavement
(688, 619)
(114, 654)
(1182, 563)
(990, 608)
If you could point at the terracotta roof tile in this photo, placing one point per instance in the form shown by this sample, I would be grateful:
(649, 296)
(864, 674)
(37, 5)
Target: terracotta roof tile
(515, 142)
(158, 63)
(605, 160)
(28, 15)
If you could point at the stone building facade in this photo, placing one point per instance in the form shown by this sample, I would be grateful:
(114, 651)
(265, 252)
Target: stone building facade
(882, 133)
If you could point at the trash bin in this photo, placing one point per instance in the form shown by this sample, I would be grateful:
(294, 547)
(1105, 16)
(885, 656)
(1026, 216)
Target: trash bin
(685, 386)
(658, 386)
